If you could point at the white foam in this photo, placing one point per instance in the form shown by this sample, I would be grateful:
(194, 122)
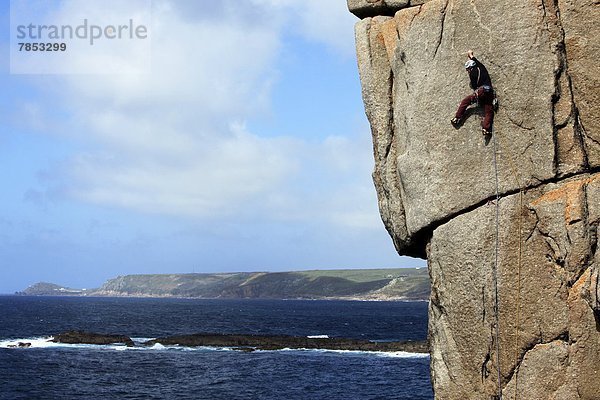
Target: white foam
(157, 346)
(318, 337)
(393, 354)
(142, 339)
(402, 354)
(37, 342)
(46, 343)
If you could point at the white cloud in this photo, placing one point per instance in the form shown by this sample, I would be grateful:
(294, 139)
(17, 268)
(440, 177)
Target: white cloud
(329, 22)
(215, 180)
(325, 21)
(206, 69)
(173, 141)
(169, 140)
(350, 154)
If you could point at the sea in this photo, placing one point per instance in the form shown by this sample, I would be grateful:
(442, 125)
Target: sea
(58, 371)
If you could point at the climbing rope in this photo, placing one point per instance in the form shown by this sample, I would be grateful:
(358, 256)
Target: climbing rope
(519, 258)
(516, 374)
(520, 254)
(496, 300)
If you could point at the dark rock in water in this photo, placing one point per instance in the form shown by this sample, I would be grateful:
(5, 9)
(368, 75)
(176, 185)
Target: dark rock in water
(20, 345)
(81, 337)
(266, 342)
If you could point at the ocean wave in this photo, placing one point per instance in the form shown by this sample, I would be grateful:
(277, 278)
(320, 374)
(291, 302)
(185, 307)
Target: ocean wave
(46, 343)
(392, 354)
(36, 342)
(404, 354)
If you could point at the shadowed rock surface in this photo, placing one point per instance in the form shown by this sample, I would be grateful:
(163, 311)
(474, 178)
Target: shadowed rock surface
(436, 185)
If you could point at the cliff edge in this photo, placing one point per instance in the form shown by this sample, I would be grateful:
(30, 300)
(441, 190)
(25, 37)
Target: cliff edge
(437, 186)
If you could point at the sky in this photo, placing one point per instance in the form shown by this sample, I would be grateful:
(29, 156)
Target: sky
(242, 146)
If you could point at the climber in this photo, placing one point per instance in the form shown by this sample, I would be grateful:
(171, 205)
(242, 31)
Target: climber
(483, 94)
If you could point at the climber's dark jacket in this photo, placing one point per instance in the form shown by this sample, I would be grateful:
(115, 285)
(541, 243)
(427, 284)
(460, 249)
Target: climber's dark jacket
(483, 94)
(479, 76)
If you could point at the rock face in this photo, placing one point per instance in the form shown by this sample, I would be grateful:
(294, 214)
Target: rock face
(437, 186)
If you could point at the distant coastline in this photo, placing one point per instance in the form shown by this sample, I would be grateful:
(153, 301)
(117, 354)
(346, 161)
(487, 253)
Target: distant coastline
(398, 284)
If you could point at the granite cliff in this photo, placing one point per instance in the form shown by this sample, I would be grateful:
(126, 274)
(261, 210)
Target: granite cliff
(437, 186)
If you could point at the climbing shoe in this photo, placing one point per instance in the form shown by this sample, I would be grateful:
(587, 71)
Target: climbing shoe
(455, 121)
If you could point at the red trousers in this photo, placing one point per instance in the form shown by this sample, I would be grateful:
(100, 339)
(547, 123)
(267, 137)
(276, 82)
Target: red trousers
(485, 100)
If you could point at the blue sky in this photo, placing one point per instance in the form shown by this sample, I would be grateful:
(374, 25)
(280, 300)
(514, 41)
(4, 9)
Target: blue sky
(245, 149)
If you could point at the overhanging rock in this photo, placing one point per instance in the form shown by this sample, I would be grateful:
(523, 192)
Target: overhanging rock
(371, 8)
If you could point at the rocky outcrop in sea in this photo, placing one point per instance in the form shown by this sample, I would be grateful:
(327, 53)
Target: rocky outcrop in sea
(509, 222)
(246, 342)
(83, 337)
